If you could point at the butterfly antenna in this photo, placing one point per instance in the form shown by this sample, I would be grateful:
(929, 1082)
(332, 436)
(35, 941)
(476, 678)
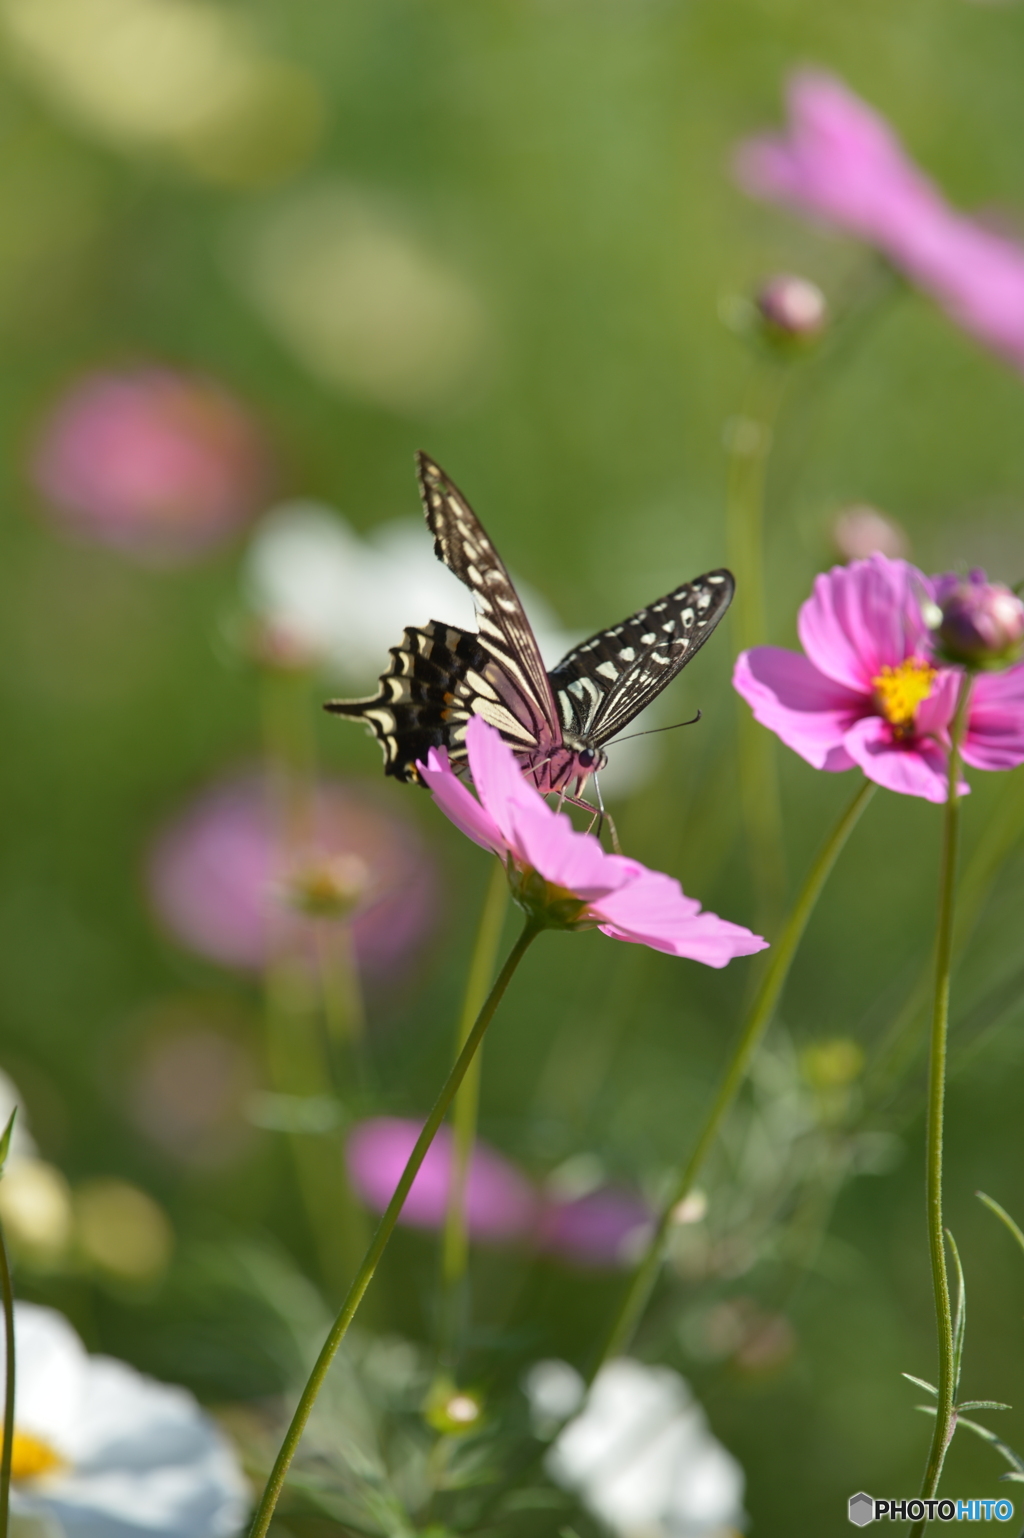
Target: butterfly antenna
(654, 730)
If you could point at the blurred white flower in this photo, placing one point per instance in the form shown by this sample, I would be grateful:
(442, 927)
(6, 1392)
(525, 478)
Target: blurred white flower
(344, 599)
(642, 1458)
(554, 1390)
(360, 302)
(103, 1452)
(22, 1142)
(180, 75)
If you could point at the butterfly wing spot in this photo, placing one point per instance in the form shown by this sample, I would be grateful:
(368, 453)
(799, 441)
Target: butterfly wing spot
(630, 663)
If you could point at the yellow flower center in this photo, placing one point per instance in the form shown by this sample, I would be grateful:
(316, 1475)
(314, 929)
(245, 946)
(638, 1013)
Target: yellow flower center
(31, 1456)
(900, 690)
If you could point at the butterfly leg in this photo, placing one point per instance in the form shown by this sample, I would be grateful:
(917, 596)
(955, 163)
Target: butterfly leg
(599, 816)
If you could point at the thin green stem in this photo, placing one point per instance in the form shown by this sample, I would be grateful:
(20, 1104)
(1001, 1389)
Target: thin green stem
(945, 1418)
(378, 1244)
(8, 1443)
(760, 1016)
(902, 1041)
(750, 443)
(455, 1244)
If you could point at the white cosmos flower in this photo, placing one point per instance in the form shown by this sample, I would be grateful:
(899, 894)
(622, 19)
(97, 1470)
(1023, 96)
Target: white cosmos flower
(102, 1452)
(346, 598)
(641, 1457)
(342, 600)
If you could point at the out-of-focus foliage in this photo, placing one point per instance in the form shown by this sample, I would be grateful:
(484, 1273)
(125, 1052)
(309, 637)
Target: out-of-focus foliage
(506, 233)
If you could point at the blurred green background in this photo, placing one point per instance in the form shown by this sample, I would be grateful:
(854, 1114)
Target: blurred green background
(549, 183)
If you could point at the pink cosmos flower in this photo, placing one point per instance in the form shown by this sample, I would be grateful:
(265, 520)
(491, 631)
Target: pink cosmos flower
(868, 689)
(501, 1204)
(556, 865)
(601, 1228)
(224, 883)
(153, 462)
(842, 162)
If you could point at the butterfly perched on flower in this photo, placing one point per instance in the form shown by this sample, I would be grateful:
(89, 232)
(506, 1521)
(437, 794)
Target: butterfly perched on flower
(557, 723)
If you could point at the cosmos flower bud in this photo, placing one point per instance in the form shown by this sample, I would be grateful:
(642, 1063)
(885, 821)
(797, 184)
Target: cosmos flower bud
(860, 531)
(450, 1410)
(792, 309)
(979, 624)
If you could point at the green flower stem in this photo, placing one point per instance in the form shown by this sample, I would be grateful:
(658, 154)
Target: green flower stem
(8, 1443)
(749, 445)
(455, 1244)
(998, 838)
(762, 1010)
(340, 991)
(297, 1002)
(945, 1418)
(378, 1244)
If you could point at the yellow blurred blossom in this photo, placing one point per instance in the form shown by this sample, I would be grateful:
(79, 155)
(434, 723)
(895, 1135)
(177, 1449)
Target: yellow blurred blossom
(361, 302)
(175, 75)
(35, 1206)
(122, 1231)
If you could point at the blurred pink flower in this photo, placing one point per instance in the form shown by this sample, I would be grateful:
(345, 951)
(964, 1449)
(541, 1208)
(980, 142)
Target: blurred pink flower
(500, 1201)
(841, 161)
(155, 463)
(869, 690)
(224, 883)
(601, 1228)
(567, 874)
(861, 530)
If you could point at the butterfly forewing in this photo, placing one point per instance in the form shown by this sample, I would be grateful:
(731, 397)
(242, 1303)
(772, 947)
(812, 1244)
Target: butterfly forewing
(519, 677)
(611, 677)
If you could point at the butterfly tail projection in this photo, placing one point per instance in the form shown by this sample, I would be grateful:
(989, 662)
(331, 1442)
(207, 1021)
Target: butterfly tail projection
(423, 699)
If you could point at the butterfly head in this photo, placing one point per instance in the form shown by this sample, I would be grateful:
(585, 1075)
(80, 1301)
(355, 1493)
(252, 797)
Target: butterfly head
(589, 759)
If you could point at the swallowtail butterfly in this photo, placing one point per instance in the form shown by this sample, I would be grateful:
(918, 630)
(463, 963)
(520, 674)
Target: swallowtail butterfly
(556, 723)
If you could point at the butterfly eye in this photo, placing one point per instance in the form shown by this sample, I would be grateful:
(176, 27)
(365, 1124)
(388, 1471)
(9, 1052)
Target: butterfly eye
(587, 759)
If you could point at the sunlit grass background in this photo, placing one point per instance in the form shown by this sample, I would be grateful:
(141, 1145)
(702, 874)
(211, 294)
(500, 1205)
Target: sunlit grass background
(503, 233)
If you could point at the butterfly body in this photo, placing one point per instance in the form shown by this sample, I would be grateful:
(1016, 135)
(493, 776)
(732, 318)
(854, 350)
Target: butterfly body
(556, 723)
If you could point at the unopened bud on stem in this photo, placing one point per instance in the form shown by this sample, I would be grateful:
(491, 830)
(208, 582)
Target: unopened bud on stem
(792, 309)
(979, 624)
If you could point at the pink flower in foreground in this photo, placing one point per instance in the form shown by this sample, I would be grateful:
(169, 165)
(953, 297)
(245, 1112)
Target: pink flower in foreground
(225, 884)
(567, 875)
(841, 161)
(869, 691)
(501, 1204)
(152, 462)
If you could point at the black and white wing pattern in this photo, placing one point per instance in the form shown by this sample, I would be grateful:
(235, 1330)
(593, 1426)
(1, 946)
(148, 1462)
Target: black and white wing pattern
(425, 697)
(607, 680)
(440, 675)
(557, 723)
(524, 710)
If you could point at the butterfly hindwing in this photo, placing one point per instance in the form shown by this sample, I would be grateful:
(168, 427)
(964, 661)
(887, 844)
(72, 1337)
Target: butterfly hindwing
(611, 677)
(425, 697)
(461, 542)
